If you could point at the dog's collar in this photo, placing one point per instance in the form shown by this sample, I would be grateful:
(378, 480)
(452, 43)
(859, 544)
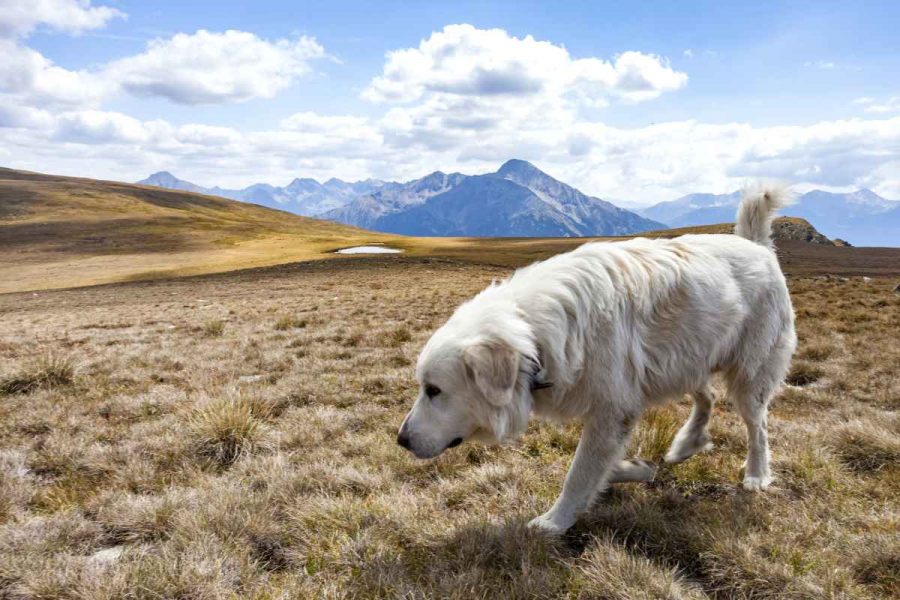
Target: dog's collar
(540, 384)
(536, 379)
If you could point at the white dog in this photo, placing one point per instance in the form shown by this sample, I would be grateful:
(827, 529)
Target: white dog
(599, 334)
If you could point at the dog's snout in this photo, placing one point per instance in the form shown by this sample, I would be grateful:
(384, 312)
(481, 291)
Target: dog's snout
(403, 439)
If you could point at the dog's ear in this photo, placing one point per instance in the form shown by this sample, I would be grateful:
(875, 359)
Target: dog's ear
(494, 367)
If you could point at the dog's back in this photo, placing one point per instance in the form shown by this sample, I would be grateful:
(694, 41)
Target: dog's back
(664, 313)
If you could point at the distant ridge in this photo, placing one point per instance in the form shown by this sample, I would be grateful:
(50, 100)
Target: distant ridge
(306, 197)
(862, 217)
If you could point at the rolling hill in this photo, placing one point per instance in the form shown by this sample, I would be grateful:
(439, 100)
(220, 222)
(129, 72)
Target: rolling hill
(65, 231)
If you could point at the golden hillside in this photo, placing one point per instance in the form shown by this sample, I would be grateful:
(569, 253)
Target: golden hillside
(64, 231)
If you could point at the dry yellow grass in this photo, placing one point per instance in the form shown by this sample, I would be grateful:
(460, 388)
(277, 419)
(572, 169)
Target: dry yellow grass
(159, 454)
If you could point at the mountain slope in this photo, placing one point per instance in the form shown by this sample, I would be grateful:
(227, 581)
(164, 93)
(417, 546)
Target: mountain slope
(366, 210)
(447, 205)
(592, 216)
(863, 217)
(62, 231)
(514, 211)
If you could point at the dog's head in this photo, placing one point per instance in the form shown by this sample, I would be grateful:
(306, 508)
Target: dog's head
(471, 387)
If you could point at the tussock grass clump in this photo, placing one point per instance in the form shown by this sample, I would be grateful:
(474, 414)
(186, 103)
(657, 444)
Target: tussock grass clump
(132, 518)
(396, 337)
(817, 352)
(803, 374)
(46, 371)
(878, 566)
(654, 433)
(609, 570)
(290, 322)
(214, 328)
(866, 447)
(227, 428)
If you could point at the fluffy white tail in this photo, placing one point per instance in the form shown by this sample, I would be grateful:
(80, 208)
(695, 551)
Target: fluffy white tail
(757, 210)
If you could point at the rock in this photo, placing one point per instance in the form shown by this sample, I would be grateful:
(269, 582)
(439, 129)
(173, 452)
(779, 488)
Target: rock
(107, 556)
(843, 243)
(897, 289)
(794, 228)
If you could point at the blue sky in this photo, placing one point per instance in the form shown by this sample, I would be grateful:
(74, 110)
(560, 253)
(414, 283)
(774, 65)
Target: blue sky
(708, 95)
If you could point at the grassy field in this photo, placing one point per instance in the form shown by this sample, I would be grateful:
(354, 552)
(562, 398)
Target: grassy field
(233, 436)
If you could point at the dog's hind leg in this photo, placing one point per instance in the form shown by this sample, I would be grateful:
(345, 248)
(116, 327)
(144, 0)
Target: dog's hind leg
(693, 436)
(751, 396)
(632, 469)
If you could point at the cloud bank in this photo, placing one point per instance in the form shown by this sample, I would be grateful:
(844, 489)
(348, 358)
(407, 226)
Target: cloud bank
(463, 99)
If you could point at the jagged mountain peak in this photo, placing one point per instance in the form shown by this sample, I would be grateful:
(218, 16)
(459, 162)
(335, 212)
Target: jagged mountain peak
(517, 165)
(303, 184)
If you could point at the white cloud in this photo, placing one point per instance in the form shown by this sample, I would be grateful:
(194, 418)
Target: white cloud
(208, 67)
(18, 18)
(200, 68)
(872, 105)
(99, 127)
(462, 60)
(30, 79)
(641, 165)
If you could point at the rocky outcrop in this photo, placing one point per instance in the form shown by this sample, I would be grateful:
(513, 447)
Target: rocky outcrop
(794, 228)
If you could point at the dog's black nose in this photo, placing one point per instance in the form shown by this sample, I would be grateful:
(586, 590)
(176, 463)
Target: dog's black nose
(403, 440)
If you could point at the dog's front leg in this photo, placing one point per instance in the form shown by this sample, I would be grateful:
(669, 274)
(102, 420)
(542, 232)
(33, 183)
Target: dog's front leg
(600, 448)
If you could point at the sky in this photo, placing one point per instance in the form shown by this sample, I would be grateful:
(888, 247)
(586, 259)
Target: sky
(637, 102)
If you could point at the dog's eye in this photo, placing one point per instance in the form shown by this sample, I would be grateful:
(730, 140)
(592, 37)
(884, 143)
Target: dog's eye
(432, 390)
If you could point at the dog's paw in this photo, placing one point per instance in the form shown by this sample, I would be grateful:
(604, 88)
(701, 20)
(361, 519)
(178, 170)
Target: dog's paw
(548, 526)
(757, 484)
(680, 454)
(633, 469)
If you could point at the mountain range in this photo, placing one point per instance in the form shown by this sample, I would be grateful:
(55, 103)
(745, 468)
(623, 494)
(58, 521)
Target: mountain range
(862, 218)
(518, 200)
(305, 197)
